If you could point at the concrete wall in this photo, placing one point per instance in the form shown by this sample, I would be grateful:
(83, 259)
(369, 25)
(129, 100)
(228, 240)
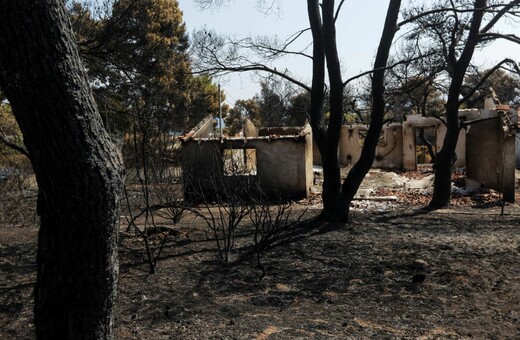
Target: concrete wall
(490, 154)
(517, 146)
(249, 129)
(412, 123)
(389, 151)
(350, 144)
(279, 131)
(397, 147)
(205, 129)
(316, 156)
(283, 164)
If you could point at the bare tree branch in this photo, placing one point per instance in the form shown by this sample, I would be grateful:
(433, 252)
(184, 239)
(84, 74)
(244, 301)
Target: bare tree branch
(495, 36)
(487, 9)
(264, 45)
(472, 91)
(499, 15)
(217, 54)
(256, 67)
(336, 15)
(388, 67)
(19, 148)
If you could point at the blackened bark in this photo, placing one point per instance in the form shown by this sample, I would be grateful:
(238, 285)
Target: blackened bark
(328, 148)
(332, 187)
(318, 73)
(337, 198)
(442, 181)
(361, 168)
(77, 168)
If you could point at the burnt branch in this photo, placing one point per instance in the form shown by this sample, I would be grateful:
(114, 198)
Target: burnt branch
(16, 147)
(388, 67)
(494, 36)
(220, 55)
(490, 72)
(496, 8)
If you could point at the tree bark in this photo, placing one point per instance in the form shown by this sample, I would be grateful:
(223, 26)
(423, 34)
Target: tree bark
(334, 210)
(361, 168)
(337, 197)
(327, 147)
(77, 168)
(442, 181)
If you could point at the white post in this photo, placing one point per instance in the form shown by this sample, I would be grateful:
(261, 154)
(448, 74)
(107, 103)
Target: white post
(220, 111)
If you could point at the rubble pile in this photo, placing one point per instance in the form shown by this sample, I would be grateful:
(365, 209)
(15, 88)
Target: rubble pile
(384, 190)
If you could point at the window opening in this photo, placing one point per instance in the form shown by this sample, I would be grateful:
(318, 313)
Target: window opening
(425, 138)
(240, 162)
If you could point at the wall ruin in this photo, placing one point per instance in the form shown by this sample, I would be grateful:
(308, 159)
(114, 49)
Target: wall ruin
(284, 157)
(280, 165)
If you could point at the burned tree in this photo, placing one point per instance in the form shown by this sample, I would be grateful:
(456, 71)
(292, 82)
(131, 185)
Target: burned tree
(361, 168)
(77, 168)
(454, 31)
(216, 54)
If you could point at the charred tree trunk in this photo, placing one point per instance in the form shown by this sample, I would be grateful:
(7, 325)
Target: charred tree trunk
(442, 181)
(77, 168)
(326, 136)
(337, 198)
(443, 164)
(328, 148)
(361, 168)
(331, 164)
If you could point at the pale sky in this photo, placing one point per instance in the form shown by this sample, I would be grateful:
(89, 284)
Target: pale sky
(358, 31)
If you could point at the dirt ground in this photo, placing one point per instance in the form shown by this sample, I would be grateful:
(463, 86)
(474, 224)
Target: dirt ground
(392, 273)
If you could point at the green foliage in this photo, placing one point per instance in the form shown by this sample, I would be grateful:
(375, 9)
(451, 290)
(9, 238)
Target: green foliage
(505, 84)
(202, 100)
(9, 129)
(248, 108)
(439, 39)
(273, 103)
(414, 87)
(413, 95)
(298, 111)
(138, 62)
(278, 104)
(15, 167)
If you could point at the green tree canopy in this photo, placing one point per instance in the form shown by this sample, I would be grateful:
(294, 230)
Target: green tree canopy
(243, 108)
(139, 64)
(506, 86)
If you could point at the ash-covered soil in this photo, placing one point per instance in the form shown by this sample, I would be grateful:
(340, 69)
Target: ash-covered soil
(450, 274)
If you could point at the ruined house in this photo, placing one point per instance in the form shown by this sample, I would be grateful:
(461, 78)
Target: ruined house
(279, 161)
(485, 147)
(276, 162)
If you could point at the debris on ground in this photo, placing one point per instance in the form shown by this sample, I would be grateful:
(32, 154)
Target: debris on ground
(384, 190)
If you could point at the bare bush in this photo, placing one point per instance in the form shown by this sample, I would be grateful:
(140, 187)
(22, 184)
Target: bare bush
(18, 190)
(224, 207)
(221, 191)
(153, 191)
(273, 223)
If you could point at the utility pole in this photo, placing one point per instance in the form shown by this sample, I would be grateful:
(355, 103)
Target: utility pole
(220, 111)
